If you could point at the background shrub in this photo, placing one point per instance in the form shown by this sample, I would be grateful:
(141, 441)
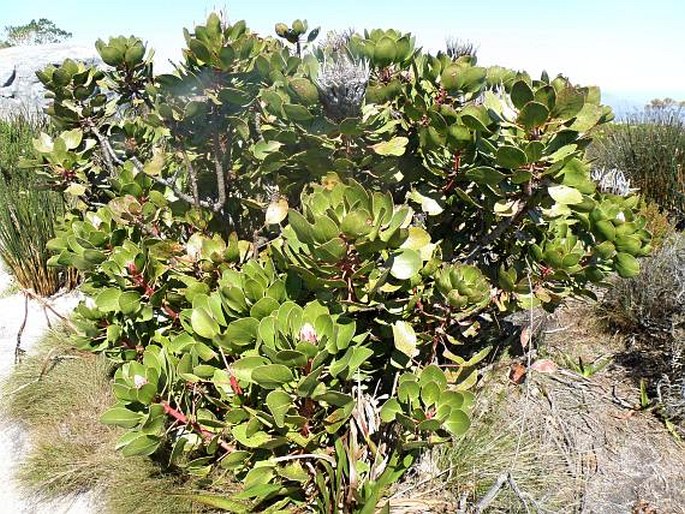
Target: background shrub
(659, 224)
(28, 211)
(654, 301)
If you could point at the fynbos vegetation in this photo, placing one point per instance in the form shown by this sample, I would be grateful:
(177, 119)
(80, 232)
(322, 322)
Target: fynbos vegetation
(298, 255)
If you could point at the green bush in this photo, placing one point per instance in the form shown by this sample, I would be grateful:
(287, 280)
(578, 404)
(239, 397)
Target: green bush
(28, 212)
(299, 254)
(650, 149)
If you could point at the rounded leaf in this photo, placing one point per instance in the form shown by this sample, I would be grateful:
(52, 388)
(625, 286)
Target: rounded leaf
(108, 300)
(627, 265)
(134, 55)
(385, 52)
(279, 403)
(510, 157)
(271, 376)
(276, 211)
(405, 338)
(203, 324)
(533, 115)
(389, 410)
(458, 422)
(405, 264)
(565, 195)
(129, 302)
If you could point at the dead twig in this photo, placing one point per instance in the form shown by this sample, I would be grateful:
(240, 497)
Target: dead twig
(504, 479)
(18, 351)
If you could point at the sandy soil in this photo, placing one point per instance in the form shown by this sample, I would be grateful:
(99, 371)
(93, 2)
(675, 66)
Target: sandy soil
(13, 443)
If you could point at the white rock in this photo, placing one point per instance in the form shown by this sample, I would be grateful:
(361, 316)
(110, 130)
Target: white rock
(20, 89)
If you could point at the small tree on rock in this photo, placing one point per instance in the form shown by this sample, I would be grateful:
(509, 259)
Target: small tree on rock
(34, 33)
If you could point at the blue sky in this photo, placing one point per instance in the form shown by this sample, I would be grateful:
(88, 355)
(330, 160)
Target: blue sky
(633, 49)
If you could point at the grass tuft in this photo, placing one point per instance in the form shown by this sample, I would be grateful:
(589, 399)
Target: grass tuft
(28, 212)
(59, 395)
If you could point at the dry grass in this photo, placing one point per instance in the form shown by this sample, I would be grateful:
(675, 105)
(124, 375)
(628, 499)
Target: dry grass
(71, 451)
(650, 311)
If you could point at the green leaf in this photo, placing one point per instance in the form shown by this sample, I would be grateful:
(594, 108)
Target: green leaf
(385, 52)
(408, 391)
(43, 143)
(141, 444)
(565, 195)
(428, 205)
(357, 223)
(249, 438)
(606, 229)
(430, 392)
(334, 398)
(121, 417)
(404, 338)
(272, 376)
(134, 55)
(450, 77)
(243, 368)
(568, 104)
(203, 324)
(476, 117)
(278, 402)
(547, 96)
(521, 94)
(264, 307)
(627, 266)
(533, 115)
(587, 117)
(242, 331)
(453, 399)
(417, 239)
(396, 146)
(485, 175)
(458, 422)
(302, 228)
(405, 264)
(108, 300)
(297, 112)
(433, 373)
(72, 138)
(389, 410)
(457, 77)
(358, 356)
(291, 358)
(262, 149)
(112, 56)
(510, 157)
(129, 302)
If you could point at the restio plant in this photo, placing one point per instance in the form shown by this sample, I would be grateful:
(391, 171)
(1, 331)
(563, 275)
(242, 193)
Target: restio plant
(649, 147)
(29, 212)
(298, 256)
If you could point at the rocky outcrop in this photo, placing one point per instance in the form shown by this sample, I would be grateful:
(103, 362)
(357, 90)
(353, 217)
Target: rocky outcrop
(20, 89)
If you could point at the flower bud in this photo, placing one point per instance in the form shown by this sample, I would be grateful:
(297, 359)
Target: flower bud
(308, 333)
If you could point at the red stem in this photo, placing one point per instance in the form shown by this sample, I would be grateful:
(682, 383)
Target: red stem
(182, 418)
